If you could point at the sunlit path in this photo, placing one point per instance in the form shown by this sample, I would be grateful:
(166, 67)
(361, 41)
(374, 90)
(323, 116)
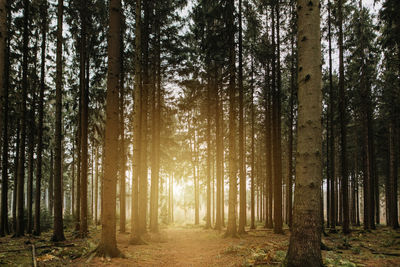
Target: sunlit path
(193, 246)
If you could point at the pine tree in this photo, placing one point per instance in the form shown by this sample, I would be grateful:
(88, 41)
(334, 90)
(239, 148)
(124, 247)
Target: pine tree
(58, 234)
(305, 240)
(21, 160)
(108, 243)
(39, 159)
(231, 227)
(4, 96)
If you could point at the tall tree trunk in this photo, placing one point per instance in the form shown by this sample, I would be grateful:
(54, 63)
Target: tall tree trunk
(108, 243)
(331, 140)
(122, 149)
(242, 175)
(343, 126)
(252, 174)
(78, 168)
(231, 228)
(222, 154)
(84, 124)
(391, 186)
(3, 55)
(159, 116)
(96, 188)
(4, 91)
(208, 139)
(51, 183)
(143, 180)
(268, 152)
(16, 168)
(218, 153)
(291, 118)
(21, 160)
(136, 164)
(277, 146)
(156, 117)
(73, 180)
(31, 149)
(305, 240)
(58, 234)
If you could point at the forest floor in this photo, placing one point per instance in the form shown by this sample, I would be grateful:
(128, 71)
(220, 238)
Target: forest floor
(191, 245)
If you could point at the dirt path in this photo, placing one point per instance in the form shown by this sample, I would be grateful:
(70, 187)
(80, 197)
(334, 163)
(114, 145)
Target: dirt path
(190, 247)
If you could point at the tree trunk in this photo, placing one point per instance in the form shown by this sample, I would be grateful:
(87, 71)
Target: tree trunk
(78, 169)
(222, 156)
(31, 151)
(343, 127)
(16, 159)
(268, 147)
(96, 188)
(391, 187)
(305, 240)
(331, 141)
(108, 243)
(136, 164)
(3, 55)
(122, 149)
(58, 234)
(277, 146)
(83, 230)
(218, 153)
(21, 160)
(252, 211)
(242, 176)
(289, 196)
(231, 228)
(4, 89)
(208, 139)
(143, 180)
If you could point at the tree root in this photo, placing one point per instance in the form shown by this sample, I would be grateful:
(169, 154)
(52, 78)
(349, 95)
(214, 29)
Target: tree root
(106, 252)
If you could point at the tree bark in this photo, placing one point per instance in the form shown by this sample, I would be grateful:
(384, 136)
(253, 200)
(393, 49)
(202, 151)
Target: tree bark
(31, 149)
(208, 139)
(4, 89)
(391, 186)
(83, 230)
(136, 164)
(291, 118)
(331, 139)
(277, 145)
(16, 159)
(218, 154)
(242, 175)
(122, 149)
(143, 180)
(108, 243)
(343, 127)
(58, 234)
(231, 228)
(252, 156)
(21, 159)
(305, 240)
